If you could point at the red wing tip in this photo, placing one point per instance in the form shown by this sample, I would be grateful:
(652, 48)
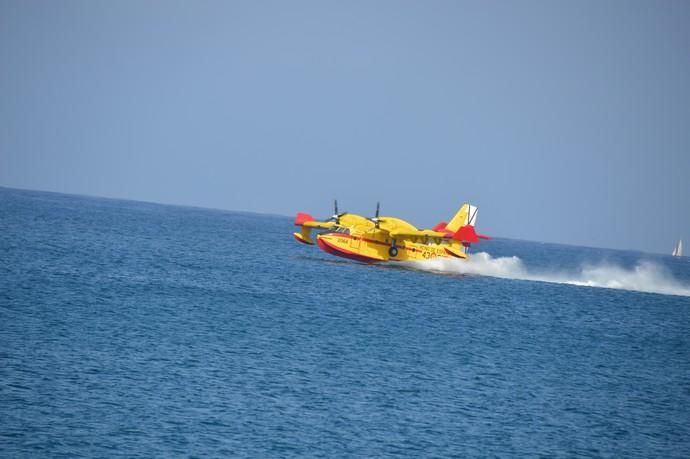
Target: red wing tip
(302, 218)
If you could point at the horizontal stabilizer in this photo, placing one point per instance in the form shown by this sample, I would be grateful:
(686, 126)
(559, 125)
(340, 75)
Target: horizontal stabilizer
(466, 234)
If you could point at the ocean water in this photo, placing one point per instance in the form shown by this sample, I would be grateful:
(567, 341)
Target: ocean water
(130, 329)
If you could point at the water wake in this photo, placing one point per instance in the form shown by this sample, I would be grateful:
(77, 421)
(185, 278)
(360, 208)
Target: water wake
(646, 276)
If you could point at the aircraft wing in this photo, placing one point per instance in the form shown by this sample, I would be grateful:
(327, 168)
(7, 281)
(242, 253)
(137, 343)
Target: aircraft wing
(419, 233)
(322, 225)
(307, 221)
(464, 234)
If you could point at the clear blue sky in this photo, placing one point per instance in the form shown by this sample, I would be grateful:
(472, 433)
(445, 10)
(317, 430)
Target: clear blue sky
(563, 121)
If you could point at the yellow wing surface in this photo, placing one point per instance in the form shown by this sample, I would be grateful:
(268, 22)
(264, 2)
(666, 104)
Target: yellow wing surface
(420, 233)
(344, 222)
(308, 223)
(458, 228)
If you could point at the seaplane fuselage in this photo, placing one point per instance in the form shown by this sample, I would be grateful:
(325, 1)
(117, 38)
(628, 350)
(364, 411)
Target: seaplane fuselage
(382, 239)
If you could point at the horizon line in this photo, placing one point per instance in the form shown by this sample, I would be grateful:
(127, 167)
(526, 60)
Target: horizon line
(254, 212)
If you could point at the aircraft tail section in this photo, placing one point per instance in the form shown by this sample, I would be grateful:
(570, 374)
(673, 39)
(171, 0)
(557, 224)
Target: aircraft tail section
(467, 215)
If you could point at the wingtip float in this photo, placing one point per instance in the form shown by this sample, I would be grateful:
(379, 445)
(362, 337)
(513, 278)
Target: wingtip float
(379, 239)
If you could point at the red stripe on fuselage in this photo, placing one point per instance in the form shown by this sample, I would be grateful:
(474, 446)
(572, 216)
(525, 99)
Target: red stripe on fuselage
(374, 241)
(334, 250)
(452, 254)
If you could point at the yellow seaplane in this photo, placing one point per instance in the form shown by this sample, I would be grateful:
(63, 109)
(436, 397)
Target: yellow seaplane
(378, 239)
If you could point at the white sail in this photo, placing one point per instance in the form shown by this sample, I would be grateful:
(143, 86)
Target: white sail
(678, 250)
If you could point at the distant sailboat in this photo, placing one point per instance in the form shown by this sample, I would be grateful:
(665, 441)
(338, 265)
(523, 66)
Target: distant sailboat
(678, 251)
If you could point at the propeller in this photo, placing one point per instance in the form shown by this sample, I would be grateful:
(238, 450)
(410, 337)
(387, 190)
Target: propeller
(336, 216)
(376, 219)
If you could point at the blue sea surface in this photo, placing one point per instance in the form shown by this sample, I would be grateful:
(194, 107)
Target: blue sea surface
(141, 330)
